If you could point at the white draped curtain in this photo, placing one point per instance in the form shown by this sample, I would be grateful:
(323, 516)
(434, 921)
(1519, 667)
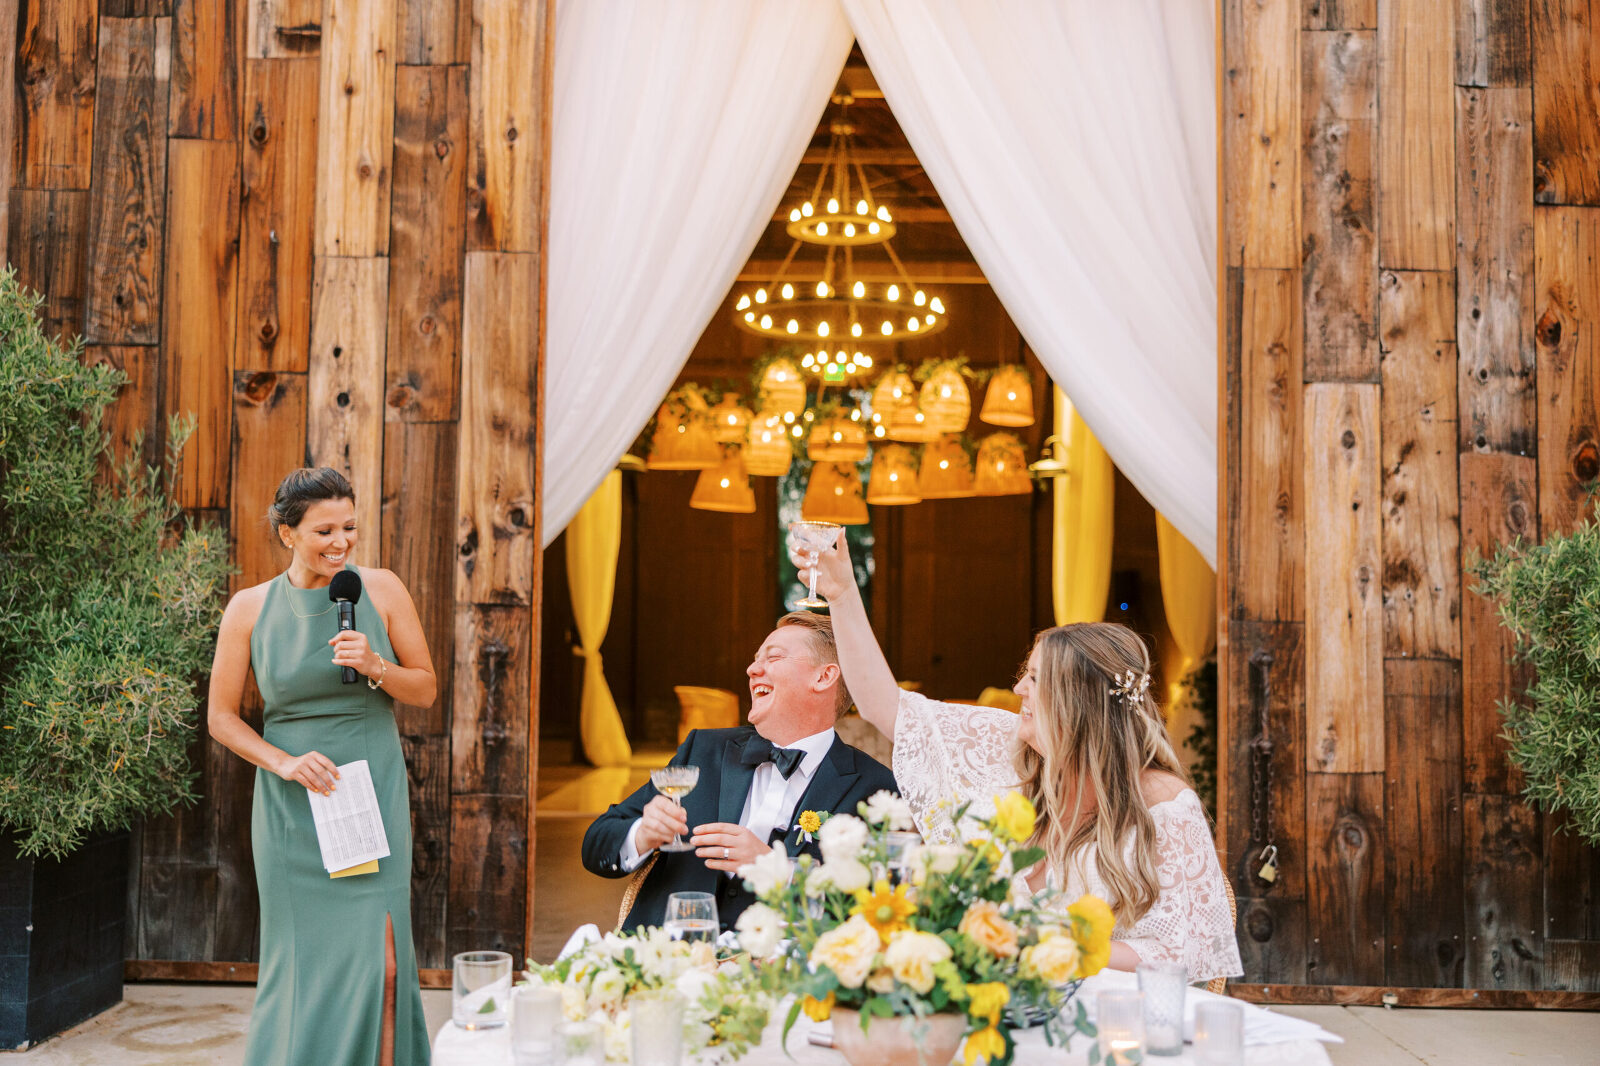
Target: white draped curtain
(676, 128)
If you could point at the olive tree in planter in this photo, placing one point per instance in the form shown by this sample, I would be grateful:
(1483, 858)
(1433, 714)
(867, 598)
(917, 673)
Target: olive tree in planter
(1549, 597)
(109, 603)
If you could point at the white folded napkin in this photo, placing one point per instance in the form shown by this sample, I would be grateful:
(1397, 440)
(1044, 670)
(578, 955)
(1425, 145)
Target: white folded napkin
(1261, 1026)
(585, 934)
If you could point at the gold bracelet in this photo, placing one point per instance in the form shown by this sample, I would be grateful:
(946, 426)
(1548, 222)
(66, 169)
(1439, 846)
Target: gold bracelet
(381, 673)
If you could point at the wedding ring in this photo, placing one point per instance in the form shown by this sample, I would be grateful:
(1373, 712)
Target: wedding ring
(727, 853)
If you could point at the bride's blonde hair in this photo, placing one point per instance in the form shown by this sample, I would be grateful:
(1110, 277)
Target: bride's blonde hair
(1096, 742)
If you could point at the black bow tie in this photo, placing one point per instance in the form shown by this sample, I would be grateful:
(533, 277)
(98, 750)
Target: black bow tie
(758, 750)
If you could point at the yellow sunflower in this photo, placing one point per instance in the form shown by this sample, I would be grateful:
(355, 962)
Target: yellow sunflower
(885, 909)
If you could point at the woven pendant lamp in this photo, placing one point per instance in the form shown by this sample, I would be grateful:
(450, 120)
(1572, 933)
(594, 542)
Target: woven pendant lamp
(837, 439)
(911, 426)
(782, 388)
(945, 400)
(725, 487)
(730, 420)
(895, 395)
(894, 476)
(834, 495)
(1008, 401)
(766, 451)
(683, 439)
(1002, 467)
(946, 471)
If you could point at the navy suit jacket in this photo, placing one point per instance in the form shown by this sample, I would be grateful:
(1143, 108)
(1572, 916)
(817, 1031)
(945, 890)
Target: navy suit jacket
(846, 777)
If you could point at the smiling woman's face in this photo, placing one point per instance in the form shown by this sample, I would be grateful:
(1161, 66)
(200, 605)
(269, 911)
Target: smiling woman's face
(323, 540)
(1027, 687)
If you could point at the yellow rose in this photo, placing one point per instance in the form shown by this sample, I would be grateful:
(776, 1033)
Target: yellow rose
(1095, 922)
(984, 923)
(819, 1010)
(1054, 959)
(881, 981)
(847, 950)
(912, 956)
(1014, 815)
(986, 1043)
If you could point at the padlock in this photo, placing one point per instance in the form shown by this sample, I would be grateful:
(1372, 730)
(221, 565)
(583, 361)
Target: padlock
(1269, 866)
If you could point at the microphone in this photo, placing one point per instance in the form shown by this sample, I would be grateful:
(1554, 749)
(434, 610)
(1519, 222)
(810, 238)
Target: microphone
(345, 590)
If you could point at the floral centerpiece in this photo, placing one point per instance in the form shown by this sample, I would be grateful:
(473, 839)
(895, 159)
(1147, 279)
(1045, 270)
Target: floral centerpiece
(723, 1016)
(892, 930)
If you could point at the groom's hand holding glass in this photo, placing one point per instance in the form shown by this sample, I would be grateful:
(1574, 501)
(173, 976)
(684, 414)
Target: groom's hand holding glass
(659, 823)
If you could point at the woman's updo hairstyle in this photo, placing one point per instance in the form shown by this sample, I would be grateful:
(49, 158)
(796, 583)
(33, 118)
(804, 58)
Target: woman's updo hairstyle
(301, 489)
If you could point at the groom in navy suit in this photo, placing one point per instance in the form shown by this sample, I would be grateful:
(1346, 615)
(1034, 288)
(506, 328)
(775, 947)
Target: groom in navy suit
(754, 781)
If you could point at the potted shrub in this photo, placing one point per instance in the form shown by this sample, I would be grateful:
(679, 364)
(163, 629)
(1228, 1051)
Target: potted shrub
(109, 603)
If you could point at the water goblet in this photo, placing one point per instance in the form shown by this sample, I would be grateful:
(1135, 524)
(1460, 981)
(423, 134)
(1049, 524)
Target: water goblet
(676, 782)
(813, 538)
(691, 916)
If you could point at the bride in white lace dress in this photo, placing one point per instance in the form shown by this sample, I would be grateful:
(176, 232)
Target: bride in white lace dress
(1117, 817)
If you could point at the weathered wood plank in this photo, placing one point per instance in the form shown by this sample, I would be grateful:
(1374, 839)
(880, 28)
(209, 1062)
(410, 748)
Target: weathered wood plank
(1572, 965)
(177, 903)
(1416, 135)
(207, 46)
(198, 323)
(419, 512)
(355, 128)
(1571, 881)
(1492, 43)
(55, 79)
(280, 177)
(132, 9)
(1269, 564)
(282, 29)
(134, 412)
(427, 761)
(1344, 609)
(1266, 675)
(1340, 14)
(1566, 246)
(1345, 872)
(269, 440)
(425, 265)
(127, 204)
(1422, 824)
(1505, 945)
(1566, 102)
(435, 31)
(1272, 940)
(49, 237)
(9, 143)
(1339, 72)
(495, 543)
(345, 413)
(1498, 506)
(1494, 270)
(489, 704)
(1260, 101)
(1421, 510)
(488, 873)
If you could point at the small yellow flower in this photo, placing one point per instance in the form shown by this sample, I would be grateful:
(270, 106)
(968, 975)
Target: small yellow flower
(985, 1001)
(819, 1010)
(810, 821)
(1014, 816)
(986, 1043)
(885, 908)
(1096, 922)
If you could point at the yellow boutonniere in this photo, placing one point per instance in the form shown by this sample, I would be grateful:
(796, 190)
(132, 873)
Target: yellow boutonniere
(810, 822)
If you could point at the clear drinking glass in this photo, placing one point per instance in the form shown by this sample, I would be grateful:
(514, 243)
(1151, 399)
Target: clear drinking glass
(813, 538)
(481, 995)
(1218, 1033)
(656, 1027)
(691, 916)
(1164, 985)
(900, 844)
(676, 782)
(580, 1044)
(535, 1013)
(1120, 1019)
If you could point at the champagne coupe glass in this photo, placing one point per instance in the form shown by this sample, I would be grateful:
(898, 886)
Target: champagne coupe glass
(691, 916)
(676, 782)
(813, 538)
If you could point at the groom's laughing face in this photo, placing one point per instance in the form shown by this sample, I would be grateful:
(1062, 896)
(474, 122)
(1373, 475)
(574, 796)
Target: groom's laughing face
(784, 670)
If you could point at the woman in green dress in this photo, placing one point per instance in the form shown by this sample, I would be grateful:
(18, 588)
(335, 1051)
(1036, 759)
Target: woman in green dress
(338, 976)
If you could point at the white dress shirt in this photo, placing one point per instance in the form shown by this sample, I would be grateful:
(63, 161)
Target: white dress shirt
(770, 802)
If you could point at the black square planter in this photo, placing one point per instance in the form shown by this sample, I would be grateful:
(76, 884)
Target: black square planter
(61, 928)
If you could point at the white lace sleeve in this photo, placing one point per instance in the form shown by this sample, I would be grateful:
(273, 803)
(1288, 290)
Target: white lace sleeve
(947, 754)
(1191, 921)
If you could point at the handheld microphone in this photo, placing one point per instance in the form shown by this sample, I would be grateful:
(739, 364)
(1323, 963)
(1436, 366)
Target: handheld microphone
(345, 590)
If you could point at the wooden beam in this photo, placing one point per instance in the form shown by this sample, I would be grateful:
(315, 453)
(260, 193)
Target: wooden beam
(867, 157)
(1377, 996)
(229, 972)
(945, 271)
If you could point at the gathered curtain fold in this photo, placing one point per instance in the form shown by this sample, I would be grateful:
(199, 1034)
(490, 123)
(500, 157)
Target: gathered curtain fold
(593, 539)
(1188, 593)
(1084, 521)
(676, 128)
(1074, 145)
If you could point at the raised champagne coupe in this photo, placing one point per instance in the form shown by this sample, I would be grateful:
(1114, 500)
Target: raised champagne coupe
(676, 782)
(813, 538)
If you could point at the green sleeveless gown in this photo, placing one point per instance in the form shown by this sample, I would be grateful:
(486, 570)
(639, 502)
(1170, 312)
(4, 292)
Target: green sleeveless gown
(319, 996)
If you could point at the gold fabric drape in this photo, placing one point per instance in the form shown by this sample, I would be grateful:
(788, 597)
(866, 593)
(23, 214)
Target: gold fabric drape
(1188, 593)
(593, 539)
(1083, 521)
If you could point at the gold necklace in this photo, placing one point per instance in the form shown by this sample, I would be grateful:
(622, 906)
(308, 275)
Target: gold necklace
(296, 610)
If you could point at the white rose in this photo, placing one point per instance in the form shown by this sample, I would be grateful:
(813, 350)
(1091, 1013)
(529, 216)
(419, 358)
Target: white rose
(884, 807)
(934, 858)
(842, 837)
(692, 984)
(618, 1041)
(760, 928)
(771, 871)
(574, 1005)
(911, 956)
(607, 988)
(846, 875)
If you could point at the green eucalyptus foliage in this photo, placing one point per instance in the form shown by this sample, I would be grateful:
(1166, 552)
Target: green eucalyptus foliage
(1549, 597)
(109, 602)
(1198, 690)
